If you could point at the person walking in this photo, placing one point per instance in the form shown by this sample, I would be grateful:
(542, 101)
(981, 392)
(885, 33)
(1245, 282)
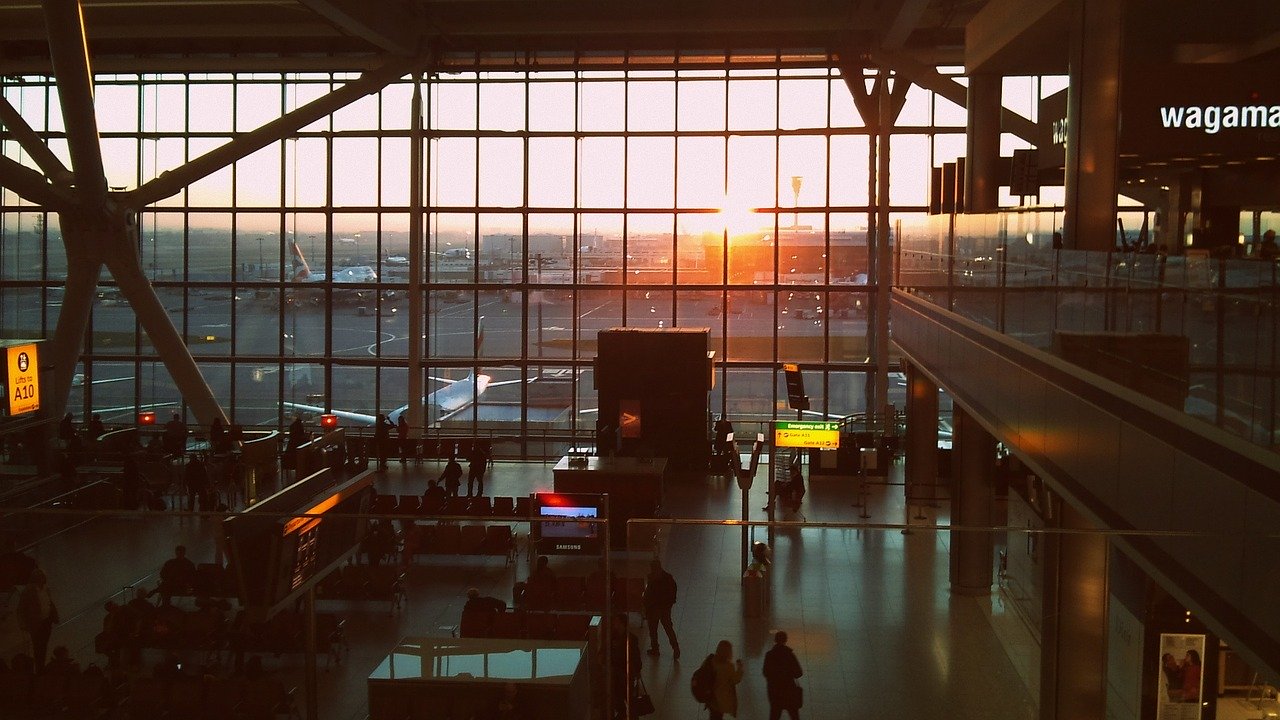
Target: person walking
(451, 477)
(402, 437)
(781, 669)
(659, 597)
(477, 463)
(37, 614)
(724, 698)
(381, 439)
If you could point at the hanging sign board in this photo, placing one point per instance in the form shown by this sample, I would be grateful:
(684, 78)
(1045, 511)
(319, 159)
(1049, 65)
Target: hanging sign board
(22, 379)
(806, 434)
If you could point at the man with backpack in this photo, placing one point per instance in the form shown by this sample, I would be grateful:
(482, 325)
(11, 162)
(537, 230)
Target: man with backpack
(659, 597)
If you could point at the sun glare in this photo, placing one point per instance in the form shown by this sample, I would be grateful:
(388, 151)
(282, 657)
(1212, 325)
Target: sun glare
(738, 218)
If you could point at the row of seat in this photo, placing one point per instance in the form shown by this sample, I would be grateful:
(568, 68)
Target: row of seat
(209, 699)
(79, 696)
(519, 624)
(450, 539)
(576, 593)
(363, 582)
(479, 506)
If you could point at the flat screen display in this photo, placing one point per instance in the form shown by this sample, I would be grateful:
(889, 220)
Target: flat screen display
(570, 527)
(562, 523)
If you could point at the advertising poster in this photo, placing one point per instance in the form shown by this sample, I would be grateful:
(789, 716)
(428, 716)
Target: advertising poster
(1180, 677)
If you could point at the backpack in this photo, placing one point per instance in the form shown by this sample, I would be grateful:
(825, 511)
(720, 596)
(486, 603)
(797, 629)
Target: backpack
(703, 682)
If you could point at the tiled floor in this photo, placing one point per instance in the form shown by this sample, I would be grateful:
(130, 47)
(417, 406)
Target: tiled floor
(868, 610)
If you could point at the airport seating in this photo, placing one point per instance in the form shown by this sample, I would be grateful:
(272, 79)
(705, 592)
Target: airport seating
(575, 593)
(210, 698)
(504, 507)
(381, 583)
(408, 505)
(447, 538)
(479, 507)
(525, 624)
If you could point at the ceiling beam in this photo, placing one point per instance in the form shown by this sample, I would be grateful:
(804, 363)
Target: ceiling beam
(930, 79)
(29, 185)
(386, 24)
(32, 144)
(172, 181)
(1226, 52)
(1000, 27)
(70, 53)
(904, 21)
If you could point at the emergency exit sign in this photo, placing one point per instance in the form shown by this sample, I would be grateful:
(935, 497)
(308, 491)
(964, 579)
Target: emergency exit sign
(806, 434)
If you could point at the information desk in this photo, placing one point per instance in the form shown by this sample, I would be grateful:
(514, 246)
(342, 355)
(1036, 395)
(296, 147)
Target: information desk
(467, 675)
(634, 486)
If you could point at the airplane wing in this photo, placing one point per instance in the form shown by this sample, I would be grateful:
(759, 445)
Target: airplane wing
(355, 417)
(446, 381)
(510, 382)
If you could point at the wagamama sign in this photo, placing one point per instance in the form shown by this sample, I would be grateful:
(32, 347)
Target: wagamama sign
(1214, 118)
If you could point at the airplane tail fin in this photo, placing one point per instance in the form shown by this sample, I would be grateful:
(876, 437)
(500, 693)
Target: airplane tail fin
(480, 336)
(301, 270)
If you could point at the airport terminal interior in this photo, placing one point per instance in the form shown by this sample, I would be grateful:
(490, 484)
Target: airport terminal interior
(379, 360)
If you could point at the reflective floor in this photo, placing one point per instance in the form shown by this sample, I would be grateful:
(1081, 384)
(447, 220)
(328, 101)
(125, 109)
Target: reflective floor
(868, 611)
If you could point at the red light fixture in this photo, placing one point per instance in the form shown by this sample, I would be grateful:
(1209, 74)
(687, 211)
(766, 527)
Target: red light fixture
(147, 417)
(328, 421)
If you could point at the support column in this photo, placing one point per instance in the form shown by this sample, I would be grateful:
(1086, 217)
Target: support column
(1093, 126)
(883, 256)
(972, 496)
(120, 243)
(982, 145)
(1073, 646)
(83, 273)
(417, 413)
(922, 437)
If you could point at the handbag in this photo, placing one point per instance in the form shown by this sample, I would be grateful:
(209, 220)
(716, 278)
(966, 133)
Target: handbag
(641, 703)
(797, 697)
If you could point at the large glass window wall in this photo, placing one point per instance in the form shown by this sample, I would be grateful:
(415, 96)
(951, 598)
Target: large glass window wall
(556, 204)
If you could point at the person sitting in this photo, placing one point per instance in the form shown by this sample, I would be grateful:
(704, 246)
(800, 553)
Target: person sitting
(485, 603)
(379, 542)
(96, 428)
(176, 575)
(434, 496)
(219, 442)
(62, 664)
(540, 588)
(67, 428)
(175, 436)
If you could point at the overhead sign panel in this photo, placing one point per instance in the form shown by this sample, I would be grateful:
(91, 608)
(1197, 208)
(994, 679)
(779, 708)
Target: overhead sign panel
(22, 381)
(806, 434)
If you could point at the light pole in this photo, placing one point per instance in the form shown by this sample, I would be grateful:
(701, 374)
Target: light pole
(261, 271)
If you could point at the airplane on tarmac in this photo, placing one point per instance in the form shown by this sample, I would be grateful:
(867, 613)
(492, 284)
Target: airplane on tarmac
(441, 404)
(302, 273)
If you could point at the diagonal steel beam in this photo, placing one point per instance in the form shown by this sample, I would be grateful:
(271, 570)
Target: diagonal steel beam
(70, 55)
(29, 184)
(32, 143)
(172, 181)
(904, 21)
(381, 23)
(73, 320)
(930, 79)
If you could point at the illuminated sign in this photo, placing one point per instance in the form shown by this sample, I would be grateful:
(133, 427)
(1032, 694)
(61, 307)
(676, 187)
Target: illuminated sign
(22, 388)
(806, 434)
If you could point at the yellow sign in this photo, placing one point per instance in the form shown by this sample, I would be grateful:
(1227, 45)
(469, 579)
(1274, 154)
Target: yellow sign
(23, 387)
(806, 434)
